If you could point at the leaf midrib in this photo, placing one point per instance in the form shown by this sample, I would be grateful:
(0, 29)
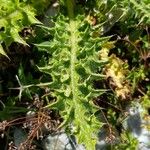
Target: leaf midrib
(74, 47)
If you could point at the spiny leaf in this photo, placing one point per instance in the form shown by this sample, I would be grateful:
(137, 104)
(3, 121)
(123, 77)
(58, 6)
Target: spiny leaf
(73, 67)
(14, 16)
(142, 10)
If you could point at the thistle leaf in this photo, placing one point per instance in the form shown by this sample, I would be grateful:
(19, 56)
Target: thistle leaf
(73, 67)
(14, 16)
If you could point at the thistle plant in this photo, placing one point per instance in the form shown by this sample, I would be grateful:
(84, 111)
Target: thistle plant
(14, 16)
(74, 66)
(87, 47)
(142, 10)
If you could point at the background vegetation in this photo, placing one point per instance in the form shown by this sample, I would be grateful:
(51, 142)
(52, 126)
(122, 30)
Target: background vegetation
(76, 65)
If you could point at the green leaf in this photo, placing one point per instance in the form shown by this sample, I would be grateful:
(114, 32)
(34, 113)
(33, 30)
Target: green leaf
(44, 46)
(15, 36)
(2, 52)
(73, 69)
(14, 16)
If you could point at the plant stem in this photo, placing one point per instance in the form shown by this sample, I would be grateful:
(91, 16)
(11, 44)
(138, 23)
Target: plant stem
(70, 7)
